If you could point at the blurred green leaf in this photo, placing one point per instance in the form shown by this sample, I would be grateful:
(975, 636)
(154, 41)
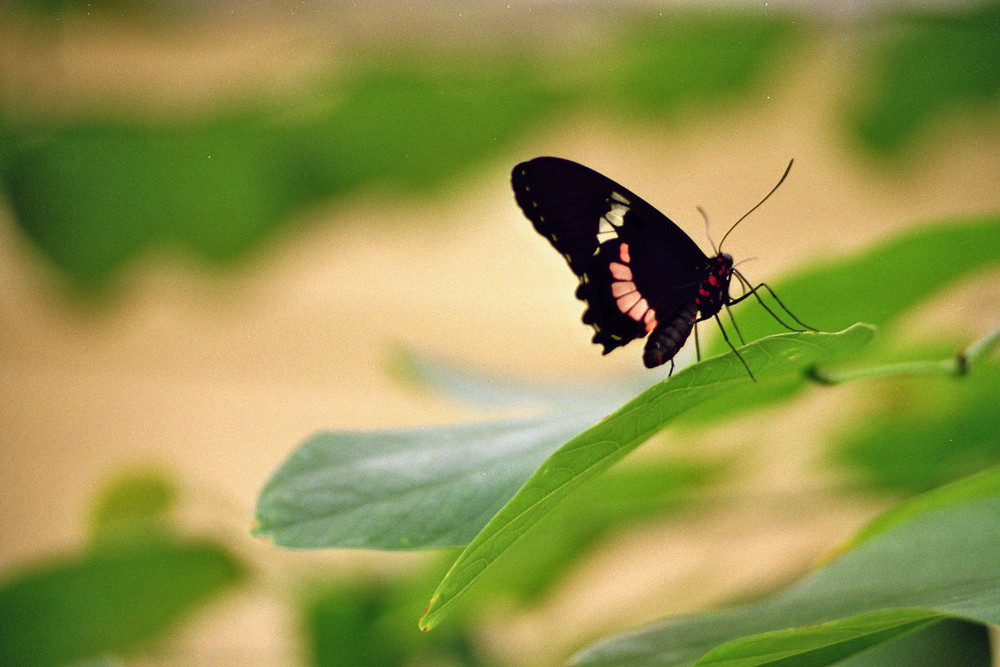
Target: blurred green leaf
(93, 194)
(951, 642)
(366, 623)
(611, 439)
(134, 505)
(489, 390)
(618, 500)
(936, 563)
(927, 431)
(985, 484)
(822, 644)
(107, 601)
(347, 626)
(657, 63)
(923, 67)
(406, 489)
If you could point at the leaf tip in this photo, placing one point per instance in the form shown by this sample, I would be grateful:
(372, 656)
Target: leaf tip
(428, 622)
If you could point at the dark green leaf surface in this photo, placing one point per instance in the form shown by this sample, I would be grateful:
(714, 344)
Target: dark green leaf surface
(821, 644)
(929, 431)
(951, 642)
(611, 439)
(406, 489)
(940, 562)
(923, 68)
(107, 601)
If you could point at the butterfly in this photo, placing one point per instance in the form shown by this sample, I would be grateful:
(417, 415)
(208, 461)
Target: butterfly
(640, 274)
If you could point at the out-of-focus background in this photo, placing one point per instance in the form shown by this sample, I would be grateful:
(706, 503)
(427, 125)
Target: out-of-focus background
(222, 222)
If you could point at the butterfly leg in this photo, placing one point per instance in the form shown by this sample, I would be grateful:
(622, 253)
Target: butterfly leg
(784, 307)
(735, 326)
(697, 345)
(735, 351)
(753, 292)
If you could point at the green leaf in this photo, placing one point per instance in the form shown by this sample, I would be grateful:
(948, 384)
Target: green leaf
(923, 68)
(406, 489)
(981, 485)
(622, 498)
(136, 505)
(611, 439)
(667, 61)
(821, 644)
(941, 561)
(951, 642)
(107, 601)
(924, 431)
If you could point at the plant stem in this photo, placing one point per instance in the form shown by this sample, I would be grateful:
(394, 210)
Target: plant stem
(957, 365)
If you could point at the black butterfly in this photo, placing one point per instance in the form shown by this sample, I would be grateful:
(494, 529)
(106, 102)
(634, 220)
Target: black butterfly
(639, 273)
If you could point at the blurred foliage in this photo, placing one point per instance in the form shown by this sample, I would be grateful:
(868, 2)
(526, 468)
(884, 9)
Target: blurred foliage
(367, 623)
(134, 583)
(949, 642)
(94, 191)
(136, 504)
(934, 565)
(624, 498)
(933, 65)
(926, 432)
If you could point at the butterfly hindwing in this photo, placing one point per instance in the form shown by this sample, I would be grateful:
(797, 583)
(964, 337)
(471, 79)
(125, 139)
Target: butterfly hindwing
(636, 267)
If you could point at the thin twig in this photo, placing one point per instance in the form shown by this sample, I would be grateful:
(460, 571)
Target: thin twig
(957, 365)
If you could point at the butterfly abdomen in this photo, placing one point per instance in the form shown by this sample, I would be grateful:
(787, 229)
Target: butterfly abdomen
(669, 336)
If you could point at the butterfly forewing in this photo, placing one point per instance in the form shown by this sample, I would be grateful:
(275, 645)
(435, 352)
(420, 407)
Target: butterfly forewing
(636, 267)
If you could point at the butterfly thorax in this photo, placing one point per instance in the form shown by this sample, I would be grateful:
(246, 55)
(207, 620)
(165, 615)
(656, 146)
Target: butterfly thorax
(713, 292)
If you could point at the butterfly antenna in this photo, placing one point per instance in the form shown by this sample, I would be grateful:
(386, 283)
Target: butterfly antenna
(708, 232)
(780, 181)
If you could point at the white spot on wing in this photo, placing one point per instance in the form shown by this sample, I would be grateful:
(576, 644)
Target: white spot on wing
(612, 220)
(616, 216)
(617, 196)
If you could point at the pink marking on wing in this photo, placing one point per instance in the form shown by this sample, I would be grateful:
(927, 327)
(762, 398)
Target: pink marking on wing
(623, 253)
(620, 271)
(622, 287)
(650, 320)
(627, 302)
(638, 311)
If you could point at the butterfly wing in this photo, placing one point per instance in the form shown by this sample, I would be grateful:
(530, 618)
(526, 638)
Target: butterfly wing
(635, 266)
